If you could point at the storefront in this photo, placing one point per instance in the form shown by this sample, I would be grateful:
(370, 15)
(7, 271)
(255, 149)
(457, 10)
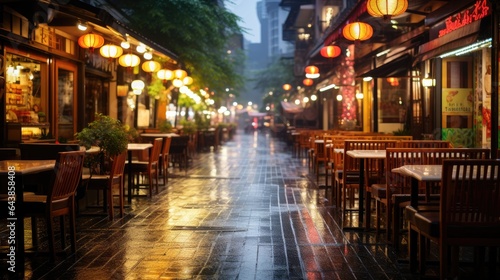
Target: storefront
(458, 56)
(54, 82)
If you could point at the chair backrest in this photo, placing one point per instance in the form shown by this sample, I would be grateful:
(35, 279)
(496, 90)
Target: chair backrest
(178, 145)
(118, 165)
(45, 150)
(351, 165)
(470, 195)
(67, 175)
(423, 144)
(398, 183)
(154, 156)
(437, 155)
(166, 146)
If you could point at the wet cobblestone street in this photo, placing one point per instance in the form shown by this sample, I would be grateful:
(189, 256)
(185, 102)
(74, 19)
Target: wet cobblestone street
(246, 211)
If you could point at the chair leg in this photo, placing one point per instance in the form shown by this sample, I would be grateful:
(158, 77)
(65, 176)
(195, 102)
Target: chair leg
(50, 232)
(34, 232)
(121, 197)
(109, 193)
(72, 229)
(63, 232)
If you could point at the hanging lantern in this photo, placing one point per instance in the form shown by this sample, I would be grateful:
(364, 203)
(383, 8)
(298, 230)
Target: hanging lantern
(287, 87)
(386, 8)
(312, 72)
(151, 66)
(91, 41)
(129, 60)
(177, 83)
(308, 82)
(137, 86)
(357, 31)
(393, 81)
(165, 74)
(330, 51)
(111, 51)
(187, 80)
(180, 74)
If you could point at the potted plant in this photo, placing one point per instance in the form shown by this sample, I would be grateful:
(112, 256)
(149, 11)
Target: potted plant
(109, 134)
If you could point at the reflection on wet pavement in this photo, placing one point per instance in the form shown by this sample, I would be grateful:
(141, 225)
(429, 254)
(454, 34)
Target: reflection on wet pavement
(247, 211)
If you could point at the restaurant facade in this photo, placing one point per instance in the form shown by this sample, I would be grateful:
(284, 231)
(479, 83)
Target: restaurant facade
(55, 76)
(427, 72)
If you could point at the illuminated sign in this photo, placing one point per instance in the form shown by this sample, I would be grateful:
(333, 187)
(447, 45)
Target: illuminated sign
(476, 12)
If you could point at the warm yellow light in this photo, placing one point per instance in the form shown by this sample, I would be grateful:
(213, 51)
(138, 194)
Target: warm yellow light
(129, 60)
(357, 31)
(287, 87)
(91, 41)
(187, 80)
(177, 83)
(165, 74)
(386, 8)
(111, 51)
(151, 66)
(180, 74)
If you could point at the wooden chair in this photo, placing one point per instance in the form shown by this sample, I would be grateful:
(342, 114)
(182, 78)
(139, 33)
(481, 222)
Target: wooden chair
(373, 170)
(423, 144)
(59, 201)
(468, 212)
(178, 151)
(149, 167)
(396, 184)
(107, 182)
(164, 159)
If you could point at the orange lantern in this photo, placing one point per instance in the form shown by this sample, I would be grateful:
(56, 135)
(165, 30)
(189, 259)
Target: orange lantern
(308, 82)
(330, 51)
(311, 69)
(180, 74)
(386, 8)
(393, 81)
(287, 87)
(91, 41)
(165, 74)
(111, 51)
(151, 66)
(357, 31)
(129, 60)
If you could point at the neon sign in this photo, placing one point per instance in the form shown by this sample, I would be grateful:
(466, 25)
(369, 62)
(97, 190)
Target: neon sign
(474, 13)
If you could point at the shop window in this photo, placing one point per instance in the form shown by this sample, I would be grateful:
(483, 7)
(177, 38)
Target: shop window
(96, 97)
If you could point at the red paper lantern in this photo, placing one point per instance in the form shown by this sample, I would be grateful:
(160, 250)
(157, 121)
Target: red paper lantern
(308, 82)
(330, 51)
(386, 8)
(287, 87)
(311, 69)
(357, 31)
(91, 41)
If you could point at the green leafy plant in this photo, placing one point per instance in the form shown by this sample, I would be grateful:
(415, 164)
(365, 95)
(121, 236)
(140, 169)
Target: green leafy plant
(188, 127)
(165, 126)
(106, 133)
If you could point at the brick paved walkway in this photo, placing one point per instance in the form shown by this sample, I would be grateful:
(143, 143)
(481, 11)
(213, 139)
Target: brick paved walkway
(247, 211)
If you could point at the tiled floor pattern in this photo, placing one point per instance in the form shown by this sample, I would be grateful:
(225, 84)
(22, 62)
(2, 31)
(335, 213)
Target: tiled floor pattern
(246, 211)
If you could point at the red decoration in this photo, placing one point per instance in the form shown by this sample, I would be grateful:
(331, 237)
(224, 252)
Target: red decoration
(330, 51)
(308, 82)
(357, 31)
(476, 12)
(311, 69)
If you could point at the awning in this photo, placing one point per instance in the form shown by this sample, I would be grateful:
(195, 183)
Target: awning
(291, 108)
(456, 39)
(398, 67)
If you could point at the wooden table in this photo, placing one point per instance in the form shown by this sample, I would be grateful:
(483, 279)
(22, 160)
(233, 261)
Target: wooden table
(130, 148)
(362, 155)
(159, 135)
(14, 170)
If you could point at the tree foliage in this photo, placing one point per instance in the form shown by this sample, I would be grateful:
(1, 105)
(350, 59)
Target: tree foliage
(273, 78)
(198, 31)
